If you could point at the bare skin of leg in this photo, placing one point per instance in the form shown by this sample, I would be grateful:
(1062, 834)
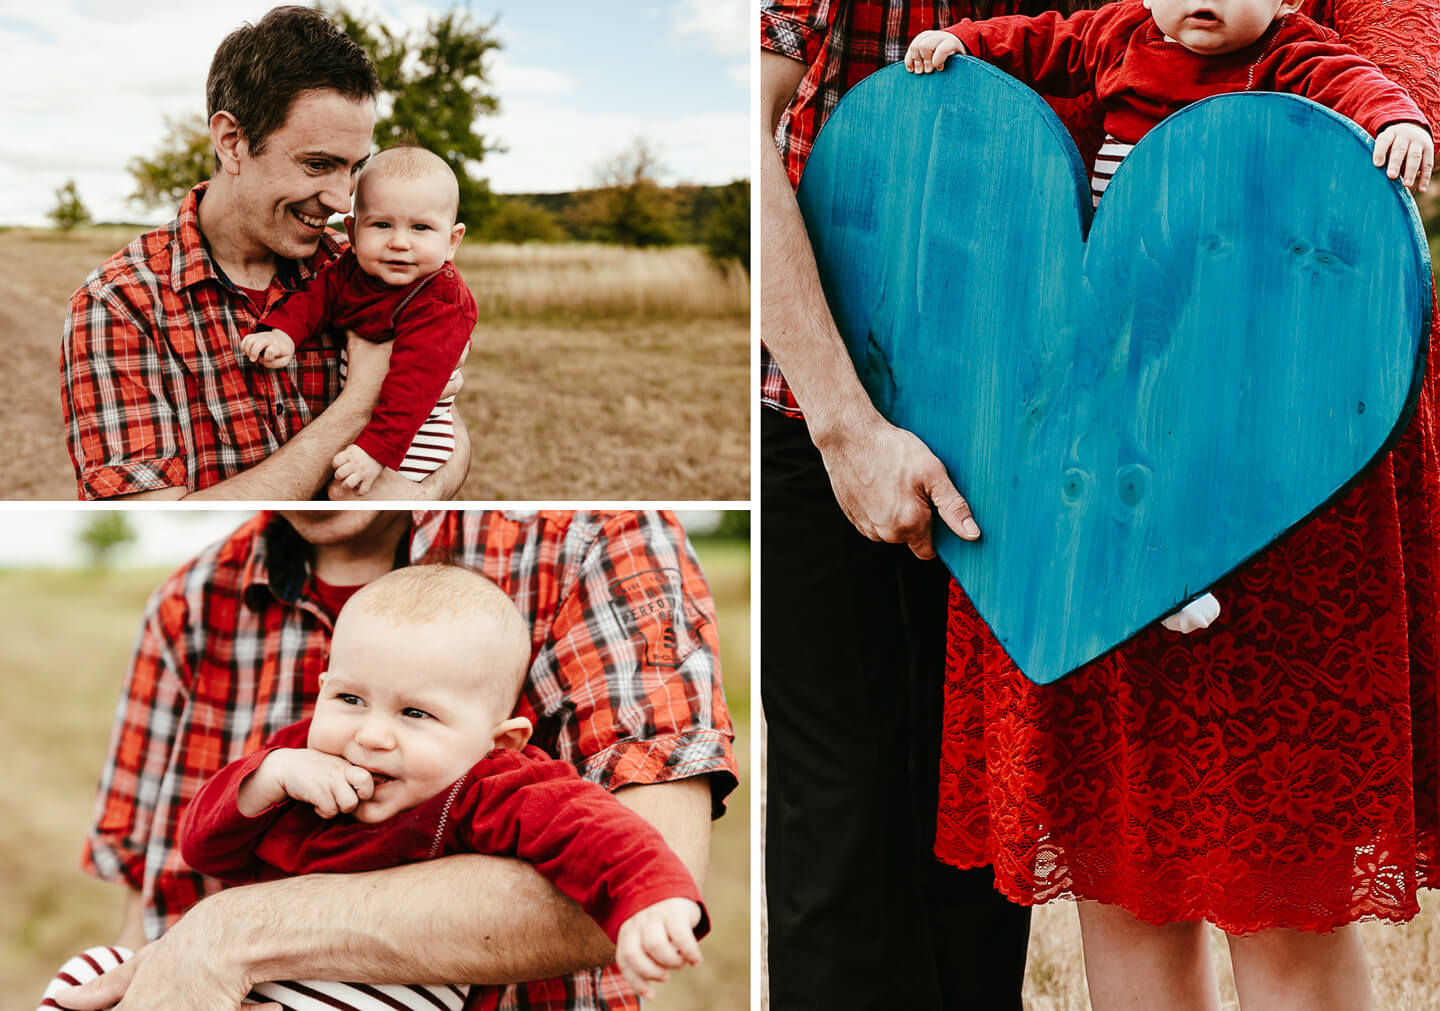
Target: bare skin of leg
(1130, 964)
(1282, 969)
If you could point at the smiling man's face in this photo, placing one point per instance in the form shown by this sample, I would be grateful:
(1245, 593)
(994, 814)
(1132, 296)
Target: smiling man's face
(305, 172)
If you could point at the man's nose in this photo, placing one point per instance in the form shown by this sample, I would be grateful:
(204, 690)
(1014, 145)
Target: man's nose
(336, 193)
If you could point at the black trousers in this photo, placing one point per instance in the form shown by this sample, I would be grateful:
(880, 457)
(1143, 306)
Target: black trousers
(861, 914)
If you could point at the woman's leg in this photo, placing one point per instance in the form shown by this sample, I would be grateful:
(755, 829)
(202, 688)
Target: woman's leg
(1133, 964)
(1280, 969)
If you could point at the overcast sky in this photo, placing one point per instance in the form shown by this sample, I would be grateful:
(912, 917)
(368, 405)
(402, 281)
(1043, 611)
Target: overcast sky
(88, 85)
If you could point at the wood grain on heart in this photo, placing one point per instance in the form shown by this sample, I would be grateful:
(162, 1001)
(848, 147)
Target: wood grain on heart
(1134, 416)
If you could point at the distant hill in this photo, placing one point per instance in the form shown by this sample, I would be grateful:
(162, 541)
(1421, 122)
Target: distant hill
(688, 209)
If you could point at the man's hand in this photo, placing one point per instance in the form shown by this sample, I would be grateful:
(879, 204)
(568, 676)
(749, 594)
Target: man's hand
(328, 783)
(1406, 151)
(655, 940)
(886, 481)
(165, 975)
(271, 348)
(356, 469)
(929, 50)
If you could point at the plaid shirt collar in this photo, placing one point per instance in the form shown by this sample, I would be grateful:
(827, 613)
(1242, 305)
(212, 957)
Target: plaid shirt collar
(278, 564)
(192, 263)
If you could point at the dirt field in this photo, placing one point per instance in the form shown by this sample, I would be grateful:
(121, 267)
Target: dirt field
(609, 396)
(56, 705)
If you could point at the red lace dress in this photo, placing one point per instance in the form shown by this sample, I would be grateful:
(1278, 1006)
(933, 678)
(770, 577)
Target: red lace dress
(1279, 769)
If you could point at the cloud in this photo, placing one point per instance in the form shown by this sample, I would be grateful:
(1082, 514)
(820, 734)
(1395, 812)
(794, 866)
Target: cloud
(724, 25)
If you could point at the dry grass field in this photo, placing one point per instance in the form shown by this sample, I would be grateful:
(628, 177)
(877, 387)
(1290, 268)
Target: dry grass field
(56, 703)
(597, 372)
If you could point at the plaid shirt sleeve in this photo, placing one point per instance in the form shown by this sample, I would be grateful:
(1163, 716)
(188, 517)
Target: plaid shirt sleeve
(794, 28)
(123, 432)
(633, 657)
(125, 834)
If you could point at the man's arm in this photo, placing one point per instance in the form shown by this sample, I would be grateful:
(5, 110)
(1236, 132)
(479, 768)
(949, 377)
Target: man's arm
(884, 478)
(479, 919)
(300, 468)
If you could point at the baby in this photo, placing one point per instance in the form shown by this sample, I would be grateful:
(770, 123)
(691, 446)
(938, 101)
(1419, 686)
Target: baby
(1146, 60)
(395, 282)
(412, 753)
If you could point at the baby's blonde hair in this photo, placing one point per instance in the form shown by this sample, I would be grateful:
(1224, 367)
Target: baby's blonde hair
(409, 161)
(428, 594)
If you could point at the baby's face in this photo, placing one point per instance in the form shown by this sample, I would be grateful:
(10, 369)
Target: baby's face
(1214, 27)
(403, 229)
(406, 702)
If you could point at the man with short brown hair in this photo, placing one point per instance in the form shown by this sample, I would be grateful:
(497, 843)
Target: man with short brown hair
(156, 397)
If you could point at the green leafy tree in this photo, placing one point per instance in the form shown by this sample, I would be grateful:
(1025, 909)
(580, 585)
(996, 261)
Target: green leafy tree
(522, 221)
(69, 211)
(185, 158)
(436, 88)
(727, 228)
(103, 534)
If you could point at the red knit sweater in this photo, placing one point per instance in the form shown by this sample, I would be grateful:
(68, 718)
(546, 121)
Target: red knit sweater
(1120, 53)
(512, 803)
(430, 321)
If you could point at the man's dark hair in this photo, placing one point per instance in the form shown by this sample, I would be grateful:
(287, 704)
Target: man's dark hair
(259, 69)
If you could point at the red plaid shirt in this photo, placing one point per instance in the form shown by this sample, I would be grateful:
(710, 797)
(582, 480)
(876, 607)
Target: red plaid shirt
(153, 389)
(624, 680)
(843, 42)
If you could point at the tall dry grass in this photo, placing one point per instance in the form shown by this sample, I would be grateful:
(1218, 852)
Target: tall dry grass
(591, 280)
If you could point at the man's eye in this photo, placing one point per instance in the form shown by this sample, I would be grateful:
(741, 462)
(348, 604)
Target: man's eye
(318, 167)
(416, 714)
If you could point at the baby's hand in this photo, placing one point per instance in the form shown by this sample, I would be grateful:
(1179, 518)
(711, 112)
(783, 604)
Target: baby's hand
(1197, 614)
(929, 50)
(356, 469)
(1406, 151)
(271, 348)
(326, 782)
(655, 940)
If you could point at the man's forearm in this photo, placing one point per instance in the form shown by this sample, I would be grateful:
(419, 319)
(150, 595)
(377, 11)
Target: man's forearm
(795, 320)
(295, 471)
(467, 918)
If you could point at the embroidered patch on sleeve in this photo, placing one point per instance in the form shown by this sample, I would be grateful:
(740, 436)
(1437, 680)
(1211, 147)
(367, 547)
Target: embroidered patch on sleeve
(652, 606)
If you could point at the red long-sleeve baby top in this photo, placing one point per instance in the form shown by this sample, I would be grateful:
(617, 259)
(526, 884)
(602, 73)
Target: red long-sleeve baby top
(512, 803)
(430, 321)
(1140, 78)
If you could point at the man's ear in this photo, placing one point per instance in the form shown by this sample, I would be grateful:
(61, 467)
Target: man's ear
(456, 234)
(514, 733)
(229, 145)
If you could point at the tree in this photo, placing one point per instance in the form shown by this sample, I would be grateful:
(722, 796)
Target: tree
(104, 533)
(629, 207)
(69, 211)
(437, 89)
(522, 221)
(727, 229)
(185, 159)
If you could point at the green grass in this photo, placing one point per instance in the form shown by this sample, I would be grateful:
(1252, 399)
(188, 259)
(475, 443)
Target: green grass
(68, 637)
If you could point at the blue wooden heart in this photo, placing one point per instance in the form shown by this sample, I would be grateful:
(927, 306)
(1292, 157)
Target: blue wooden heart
(1134, 416)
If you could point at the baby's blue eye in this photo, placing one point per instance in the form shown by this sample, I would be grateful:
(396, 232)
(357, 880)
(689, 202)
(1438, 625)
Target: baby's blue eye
(422, 228)
(350, 700)
(416, 714)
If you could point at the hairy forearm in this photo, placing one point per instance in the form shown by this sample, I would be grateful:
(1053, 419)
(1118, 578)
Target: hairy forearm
(795, 320)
